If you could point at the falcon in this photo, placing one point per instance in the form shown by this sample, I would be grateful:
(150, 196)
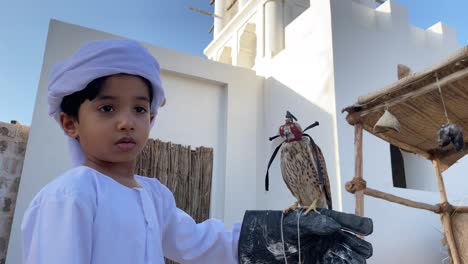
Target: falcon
(302, 167)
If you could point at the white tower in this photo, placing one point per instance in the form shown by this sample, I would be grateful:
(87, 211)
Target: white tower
(246, 31)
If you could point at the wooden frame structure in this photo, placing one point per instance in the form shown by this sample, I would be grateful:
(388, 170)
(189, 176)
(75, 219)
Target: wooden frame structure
(417, 102)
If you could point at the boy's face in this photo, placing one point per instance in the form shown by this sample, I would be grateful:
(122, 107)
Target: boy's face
(113, 127)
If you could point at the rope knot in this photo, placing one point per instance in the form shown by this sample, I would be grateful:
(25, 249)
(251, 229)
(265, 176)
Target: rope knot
(356, 184)
(445, 207)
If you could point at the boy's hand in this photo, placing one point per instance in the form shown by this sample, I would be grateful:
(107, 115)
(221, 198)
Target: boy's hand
(329, 237)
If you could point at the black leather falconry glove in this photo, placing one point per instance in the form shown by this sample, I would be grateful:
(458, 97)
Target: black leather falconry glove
(329, 237)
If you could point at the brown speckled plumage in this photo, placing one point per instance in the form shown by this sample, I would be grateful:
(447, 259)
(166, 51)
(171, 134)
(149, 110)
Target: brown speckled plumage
(300, 173)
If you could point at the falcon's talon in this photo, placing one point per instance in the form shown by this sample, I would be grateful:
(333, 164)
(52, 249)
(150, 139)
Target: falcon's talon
(291, 208)
(312, 207)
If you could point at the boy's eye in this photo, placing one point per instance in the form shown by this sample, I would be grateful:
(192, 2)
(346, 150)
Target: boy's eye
(140, 109)
(106, 108)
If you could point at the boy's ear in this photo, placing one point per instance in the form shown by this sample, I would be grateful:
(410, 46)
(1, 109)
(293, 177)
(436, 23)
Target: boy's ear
(152, 116)
(69, 125)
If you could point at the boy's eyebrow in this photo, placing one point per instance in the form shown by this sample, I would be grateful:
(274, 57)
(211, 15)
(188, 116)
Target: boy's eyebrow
(110, 97)
(105, 97)
(144, 98)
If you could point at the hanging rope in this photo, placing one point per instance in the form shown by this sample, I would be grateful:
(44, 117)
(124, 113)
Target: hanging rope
(282, 240)
(442, 97)
(299, 235)
(299, 214)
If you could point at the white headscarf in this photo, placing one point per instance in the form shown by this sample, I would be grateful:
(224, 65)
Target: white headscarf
(94, 60)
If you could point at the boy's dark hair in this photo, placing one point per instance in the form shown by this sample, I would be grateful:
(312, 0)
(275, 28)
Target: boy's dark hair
(70, 104)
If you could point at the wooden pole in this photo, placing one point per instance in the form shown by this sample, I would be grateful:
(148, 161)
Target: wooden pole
(460, 209)
(359, 195)
(353, 187)
(446, 219)
(440, 181)
(396, 199)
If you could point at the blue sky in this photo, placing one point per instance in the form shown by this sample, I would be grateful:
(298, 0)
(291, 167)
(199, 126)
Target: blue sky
(167, 23)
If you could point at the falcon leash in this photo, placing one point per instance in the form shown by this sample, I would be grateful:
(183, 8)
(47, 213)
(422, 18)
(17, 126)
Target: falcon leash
(299, 214)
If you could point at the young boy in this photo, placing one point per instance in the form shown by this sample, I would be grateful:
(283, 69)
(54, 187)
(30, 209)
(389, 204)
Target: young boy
(106, 97)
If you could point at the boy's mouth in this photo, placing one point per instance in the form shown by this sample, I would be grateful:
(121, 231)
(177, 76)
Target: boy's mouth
(126, 143)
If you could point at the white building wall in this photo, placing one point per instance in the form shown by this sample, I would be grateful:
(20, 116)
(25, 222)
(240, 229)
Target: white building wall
(367, 46)
(208, 104)
(305, 77)
(300, 79)
(419, 173)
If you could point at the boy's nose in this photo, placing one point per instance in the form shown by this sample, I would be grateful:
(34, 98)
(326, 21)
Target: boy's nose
(126, 122)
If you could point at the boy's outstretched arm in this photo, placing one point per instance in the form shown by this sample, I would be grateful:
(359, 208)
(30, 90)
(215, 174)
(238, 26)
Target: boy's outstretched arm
(208, 242)
(329, 237)
(58, 229)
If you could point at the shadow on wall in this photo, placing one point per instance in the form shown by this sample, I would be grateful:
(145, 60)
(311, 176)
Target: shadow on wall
(277, 99)
(293, 9)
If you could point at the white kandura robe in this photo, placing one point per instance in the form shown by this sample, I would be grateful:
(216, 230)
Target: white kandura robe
(85, 217)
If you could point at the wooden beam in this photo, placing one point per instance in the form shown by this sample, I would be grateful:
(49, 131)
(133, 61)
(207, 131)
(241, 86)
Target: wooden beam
(446, 218)
(437, 208)
(420, 112)
(452, 151)
(400, 200)
(353, 118)
(359, 195)
(440, 180)
(423, 90)
(460, 209)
